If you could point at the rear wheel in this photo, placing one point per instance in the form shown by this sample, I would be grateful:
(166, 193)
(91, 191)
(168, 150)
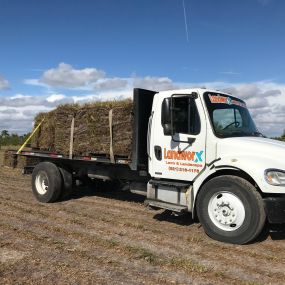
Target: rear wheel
(67, 183)
(230, 210)
(46, 182)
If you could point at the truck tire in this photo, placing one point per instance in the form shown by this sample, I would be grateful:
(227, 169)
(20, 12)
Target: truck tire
(67, 183)
(230, 210)
(46, 182)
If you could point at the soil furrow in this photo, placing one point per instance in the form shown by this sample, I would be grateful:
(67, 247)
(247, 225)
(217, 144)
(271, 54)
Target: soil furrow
(82, 234)
(111, 238)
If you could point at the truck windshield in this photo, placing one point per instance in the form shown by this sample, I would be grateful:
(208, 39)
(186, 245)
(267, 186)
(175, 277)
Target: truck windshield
(229, 116)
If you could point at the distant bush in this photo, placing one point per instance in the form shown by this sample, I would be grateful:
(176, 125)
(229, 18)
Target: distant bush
(282, 138)
(7, 139)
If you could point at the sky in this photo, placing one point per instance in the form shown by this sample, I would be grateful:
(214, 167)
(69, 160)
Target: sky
(54, 52)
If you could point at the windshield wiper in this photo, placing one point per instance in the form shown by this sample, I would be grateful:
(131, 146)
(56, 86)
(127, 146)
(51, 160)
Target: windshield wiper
(240, 133)
(259, 134)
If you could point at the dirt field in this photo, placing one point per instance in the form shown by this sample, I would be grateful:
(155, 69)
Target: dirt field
(109, 237)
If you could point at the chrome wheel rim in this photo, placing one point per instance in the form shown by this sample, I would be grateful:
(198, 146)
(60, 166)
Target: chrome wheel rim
(226, 211)
(42, 183)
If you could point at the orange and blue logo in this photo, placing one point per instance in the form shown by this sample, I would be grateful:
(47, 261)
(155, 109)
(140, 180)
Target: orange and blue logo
(195, 156)
(218, 99)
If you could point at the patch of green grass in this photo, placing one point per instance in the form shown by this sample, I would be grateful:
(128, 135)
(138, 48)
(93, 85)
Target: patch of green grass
(111, 242)
(142, 253)
(188, 265)
(195, 239)
(265, 256)
(185, 264)
(220, 274)
(134, 225)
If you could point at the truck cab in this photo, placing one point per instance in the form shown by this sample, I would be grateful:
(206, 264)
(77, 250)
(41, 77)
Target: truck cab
(206, 156)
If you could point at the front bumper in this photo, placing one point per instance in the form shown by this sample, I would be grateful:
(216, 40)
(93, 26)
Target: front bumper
(275, 209)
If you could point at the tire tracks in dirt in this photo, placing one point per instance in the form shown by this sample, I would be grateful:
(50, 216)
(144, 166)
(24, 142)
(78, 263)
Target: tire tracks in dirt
(128, 236)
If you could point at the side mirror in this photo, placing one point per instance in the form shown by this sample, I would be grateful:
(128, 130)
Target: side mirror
(166, 116)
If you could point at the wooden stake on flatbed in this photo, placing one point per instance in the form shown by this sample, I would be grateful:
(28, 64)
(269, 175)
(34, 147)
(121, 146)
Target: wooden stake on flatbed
(71, 139)
(112, 158)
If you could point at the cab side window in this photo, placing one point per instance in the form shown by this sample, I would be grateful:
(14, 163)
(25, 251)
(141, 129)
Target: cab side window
(186, 119)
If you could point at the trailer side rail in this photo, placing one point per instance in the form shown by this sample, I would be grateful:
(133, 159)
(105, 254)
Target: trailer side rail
(75, 158)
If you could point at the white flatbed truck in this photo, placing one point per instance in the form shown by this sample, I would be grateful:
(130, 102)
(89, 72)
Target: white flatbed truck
(193, 150)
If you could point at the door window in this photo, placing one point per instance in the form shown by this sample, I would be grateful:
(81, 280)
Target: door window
(186, 119)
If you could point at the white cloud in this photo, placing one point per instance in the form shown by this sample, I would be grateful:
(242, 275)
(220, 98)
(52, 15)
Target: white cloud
(4, 83)
(113, 95)
(17, 112)
(35, 82)
(154, 83)
(230, 72)
(19, 119)
(17, 96)
(55, 97)
(246, 91)
(65, 76)
(256, 103)
(111, 83)
(265, 99)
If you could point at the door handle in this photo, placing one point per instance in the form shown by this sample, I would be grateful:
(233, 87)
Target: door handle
(158, 152)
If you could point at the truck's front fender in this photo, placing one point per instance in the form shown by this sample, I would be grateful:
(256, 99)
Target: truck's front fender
(251, 165)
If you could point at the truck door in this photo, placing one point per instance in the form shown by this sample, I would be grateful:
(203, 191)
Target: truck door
(181, 154)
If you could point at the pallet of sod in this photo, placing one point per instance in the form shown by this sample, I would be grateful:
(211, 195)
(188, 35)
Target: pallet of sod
(12, 160)
(98, 128)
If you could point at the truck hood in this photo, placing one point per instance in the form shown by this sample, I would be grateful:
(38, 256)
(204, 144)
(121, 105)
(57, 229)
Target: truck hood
(253, 155)
(252, 147)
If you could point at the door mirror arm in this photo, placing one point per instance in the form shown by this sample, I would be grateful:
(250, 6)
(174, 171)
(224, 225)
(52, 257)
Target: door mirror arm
(190, 141)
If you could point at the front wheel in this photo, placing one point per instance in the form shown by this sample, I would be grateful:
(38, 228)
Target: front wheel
(230, 210)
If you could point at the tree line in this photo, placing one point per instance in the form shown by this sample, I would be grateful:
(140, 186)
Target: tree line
(281, 138)
(7, 139)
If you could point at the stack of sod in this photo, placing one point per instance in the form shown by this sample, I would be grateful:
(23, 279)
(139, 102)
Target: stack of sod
(23, 161)
(44, 138)
(91, 129)
(54, 132)
(63, 118)
(10, 158)
(14, 161)
(123, 129)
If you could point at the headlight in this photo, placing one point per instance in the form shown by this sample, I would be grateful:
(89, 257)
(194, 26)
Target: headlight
(275, 177)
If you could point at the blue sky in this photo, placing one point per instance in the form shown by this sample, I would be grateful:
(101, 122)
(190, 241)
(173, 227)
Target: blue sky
(106, 47)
